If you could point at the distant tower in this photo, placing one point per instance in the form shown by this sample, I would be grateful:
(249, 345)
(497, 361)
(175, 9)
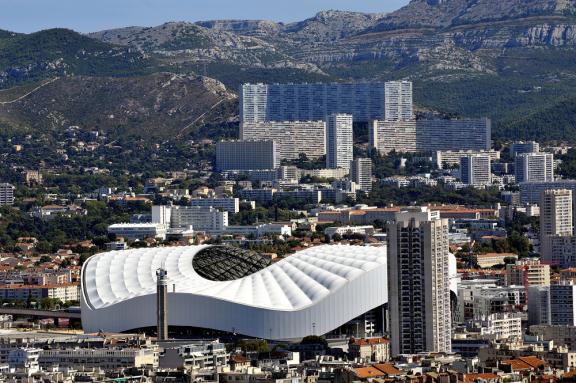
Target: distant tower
(162, 303)
(339, 141)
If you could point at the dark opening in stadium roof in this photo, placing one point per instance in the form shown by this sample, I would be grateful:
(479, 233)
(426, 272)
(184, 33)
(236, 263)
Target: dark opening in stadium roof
(224, 263)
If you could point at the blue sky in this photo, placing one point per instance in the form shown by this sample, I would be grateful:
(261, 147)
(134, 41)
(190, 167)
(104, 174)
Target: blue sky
(94, 15)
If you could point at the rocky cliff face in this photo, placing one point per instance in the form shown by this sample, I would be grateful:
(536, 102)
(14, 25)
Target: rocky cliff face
(182, 42)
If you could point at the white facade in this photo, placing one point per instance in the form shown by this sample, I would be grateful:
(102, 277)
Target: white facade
(134, 231)
(398, 101)
(291, 137)
(247, 155)
(419, 283)
(231, 205)
(311, 102)
(361, 173)
(500, 326)
(200, 218)
(258, 231)
(315, 290)
(431, 135)
(343, 230)
(556, 220)
(475, 170)
(339, 141)
(6, 194)
(443, 158)
(534, 167)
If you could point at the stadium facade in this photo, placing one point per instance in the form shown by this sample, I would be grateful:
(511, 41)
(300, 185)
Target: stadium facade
(313, 291)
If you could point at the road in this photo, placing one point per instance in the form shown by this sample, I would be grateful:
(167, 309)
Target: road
(39, 313)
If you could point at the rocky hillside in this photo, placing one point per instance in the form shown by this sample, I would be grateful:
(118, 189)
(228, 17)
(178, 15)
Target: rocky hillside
(58, 52)
(449, 13)
(511, 60)
(187, 43)
(156, 106)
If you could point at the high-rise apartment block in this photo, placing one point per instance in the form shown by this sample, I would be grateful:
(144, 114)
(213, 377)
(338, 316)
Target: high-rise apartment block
(312, 102)
(522, 147)
(430, 135)
(534, 167)
(475, 170)
(552, 305)
(398, 101)
(292, 138)
(557, 225)
(339, 141)
(361, 173)
(418, 283)
(246, 155)
(6, 194)
(556, 212)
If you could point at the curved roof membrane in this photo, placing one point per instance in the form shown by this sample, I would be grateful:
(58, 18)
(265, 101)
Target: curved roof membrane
(225, 289)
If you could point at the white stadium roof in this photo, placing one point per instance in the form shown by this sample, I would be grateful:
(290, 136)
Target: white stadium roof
(316, 289)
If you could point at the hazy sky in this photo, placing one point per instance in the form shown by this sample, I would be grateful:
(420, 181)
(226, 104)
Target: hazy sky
(94, 15)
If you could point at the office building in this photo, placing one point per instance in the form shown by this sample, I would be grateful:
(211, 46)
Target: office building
(6, 194)
(292, 138)
(430, 135)
(419, 283)
(361, 173)
(552, 305)
(231, 205)
(475, 170)
(534, 167)
(556, 219)
(246, 155)
(447, 158)
(312, 102)
(339, 141)
(522, 147)
(398, 101)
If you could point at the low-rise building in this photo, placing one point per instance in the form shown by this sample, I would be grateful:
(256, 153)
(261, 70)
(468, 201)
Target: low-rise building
(348, 230)
(369, 349)
(492, 259)
(138, 231)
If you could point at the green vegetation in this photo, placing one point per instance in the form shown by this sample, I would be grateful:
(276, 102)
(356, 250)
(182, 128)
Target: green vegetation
(59, 52)
(568, 166)
(383, 195)
(55, 233)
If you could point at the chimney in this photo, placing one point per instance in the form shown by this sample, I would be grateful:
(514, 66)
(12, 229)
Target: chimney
(162, 304)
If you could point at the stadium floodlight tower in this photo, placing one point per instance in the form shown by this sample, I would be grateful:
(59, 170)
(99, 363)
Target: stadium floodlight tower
(162, 304)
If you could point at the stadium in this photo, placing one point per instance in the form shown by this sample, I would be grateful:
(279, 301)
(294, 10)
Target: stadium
(314, 291)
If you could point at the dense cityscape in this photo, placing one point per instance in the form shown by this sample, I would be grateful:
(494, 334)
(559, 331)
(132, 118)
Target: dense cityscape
(335, 231)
